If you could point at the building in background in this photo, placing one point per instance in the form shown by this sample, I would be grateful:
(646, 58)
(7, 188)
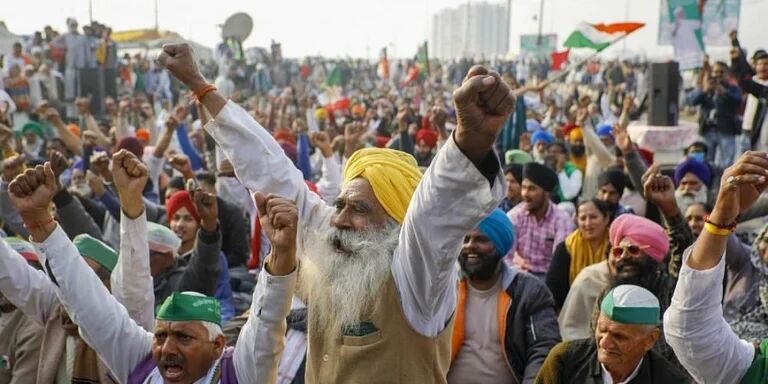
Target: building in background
(473, 30)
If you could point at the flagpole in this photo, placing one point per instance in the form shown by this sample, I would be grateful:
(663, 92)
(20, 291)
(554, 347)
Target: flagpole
(582, 62)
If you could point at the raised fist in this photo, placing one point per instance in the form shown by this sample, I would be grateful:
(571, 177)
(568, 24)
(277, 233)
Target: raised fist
(321, 141)
(52, 115)
(129, 174)
(207, 208)
(180, 162)
(660, 191)
(59, 163)
(32, 192)
(180, 61)
(12, 166)
(279, 221)
(483, 104)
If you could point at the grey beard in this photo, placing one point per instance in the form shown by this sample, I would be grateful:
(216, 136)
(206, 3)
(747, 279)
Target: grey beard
(685, 201)
(344, 286)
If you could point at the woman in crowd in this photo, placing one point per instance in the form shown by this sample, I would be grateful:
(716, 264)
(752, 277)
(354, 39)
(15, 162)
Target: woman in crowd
(585, 246)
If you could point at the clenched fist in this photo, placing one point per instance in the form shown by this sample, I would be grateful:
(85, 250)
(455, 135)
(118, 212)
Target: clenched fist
(483, 104)
(32, 192)
(130, 177)
(180, 61)
(279, 220)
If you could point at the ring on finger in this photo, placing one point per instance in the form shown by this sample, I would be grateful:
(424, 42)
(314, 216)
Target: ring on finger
(733, 181)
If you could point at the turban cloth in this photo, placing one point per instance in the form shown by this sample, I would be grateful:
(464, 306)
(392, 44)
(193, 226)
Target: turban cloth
(393, 176)
(499, 230)
(162, 239)
(631, 304)
(516, 170)
(575, 134)
(568, 128)
(517, 156)
(92, 248)
(283, 135)
(540, 175)
(178, 200)
(24, 248)
(142, 134)
(542, 135)
(605, 130)
(641, 232)
(428, 136)
(132, 145)
(73, 129)
(188, 306)
(32, 127)
(698, 168)
(613, 177)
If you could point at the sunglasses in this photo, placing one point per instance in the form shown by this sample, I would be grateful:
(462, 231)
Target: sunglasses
(632, 250)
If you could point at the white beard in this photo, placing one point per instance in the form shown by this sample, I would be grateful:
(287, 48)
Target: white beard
(344, 286)
(685, 201)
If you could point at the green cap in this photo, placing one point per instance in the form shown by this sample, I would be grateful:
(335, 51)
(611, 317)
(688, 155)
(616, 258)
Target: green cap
(630, 304)
(32, 127)
(92, 248)
(190, 306)
(517, 156)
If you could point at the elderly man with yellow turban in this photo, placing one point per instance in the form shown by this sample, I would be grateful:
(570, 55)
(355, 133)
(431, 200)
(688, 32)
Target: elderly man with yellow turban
(377, 269)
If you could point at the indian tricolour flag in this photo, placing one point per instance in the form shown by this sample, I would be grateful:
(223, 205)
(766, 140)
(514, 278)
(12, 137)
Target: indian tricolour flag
(599, 36)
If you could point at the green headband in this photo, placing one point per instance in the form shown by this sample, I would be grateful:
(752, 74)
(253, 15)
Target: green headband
(90, 247)
(188, 307)
(630, 304)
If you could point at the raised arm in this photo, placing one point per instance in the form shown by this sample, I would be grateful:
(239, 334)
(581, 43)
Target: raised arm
(258, 160)
(694, 325)
(27, 288)
(104, 324)
(329, 184)
(261, 340)
(459, 189)
(202, 272)
(132, 280)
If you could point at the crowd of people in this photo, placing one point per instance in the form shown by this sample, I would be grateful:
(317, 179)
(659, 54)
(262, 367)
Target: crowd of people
(332, 221)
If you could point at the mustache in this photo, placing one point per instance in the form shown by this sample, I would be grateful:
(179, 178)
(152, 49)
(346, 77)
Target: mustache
(167, 360)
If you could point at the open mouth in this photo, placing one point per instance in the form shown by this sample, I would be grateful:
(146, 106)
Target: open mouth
(473, 259)
(172, 372)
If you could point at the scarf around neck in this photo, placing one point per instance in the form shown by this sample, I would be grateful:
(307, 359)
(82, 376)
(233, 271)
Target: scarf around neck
(582, 254)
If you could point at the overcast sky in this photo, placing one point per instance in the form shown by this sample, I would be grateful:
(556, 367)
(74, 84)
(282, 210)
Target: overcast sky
(356, 28)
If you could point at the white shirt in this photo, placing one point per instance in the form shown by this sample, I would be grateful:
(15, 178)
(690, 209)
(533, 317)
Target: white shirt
(608, 379)
(452, 198)
(695, 328)
(122, 344)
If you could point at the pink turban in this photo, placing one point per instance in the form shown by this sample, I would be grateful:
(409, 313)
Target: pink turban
(642, 232)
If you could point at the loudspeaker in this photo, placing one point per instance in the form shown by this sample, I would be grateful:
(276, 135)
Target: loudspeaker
(663, 94)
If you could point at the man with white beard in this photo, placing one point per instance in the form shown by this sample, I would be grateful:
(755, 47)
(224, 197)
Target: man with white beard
(377, 272)
(692, 178)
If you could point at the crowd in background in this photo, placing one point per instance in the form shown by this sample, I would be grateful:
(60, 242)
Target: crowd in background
(577, 188)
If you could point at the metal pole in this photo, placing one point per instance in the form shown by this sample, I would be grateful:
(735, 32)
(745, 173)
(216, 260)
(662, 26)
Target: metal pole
(541, 19)
(90, 11)
(157, 24)
(626, 18)
(509, 26)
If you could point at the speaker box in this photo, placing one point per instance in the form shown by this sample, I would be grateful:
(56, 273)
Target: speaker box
(663, 94)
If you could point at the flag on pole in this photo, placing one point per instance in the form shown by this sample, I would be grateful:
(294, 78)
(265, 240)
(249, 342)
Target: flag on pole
(559, 58)
(334, 78)
(422, 58)
(599, 36)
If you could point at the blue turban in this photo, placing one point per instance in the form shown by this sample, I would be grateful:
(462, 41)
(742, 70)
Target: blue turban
(499, 230)
(542, 135)
(605, 130)
(698, 168)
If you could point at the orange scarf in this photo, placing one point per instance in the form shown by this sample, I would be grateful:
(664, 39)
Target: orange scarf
(582, 254)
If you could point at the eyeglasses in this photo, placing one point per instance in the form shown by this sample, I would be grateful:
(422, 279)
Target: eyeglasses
(632, 250)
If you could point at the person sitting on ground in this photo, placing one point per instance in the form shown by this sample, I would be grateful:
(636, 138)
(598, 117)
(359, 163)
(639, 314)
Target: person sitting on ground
(621, 350)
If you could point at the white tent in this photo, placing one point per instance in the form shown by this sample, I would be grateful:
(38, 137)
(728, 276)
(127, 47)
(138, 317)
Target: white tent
(7, 38)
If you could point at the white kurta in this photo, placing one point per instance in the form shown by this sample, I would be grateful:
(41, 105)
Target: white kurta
(451, 199)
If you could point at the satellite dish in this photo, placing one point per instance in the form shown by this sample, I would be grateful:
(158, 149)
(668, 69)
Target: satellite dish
(237, 26)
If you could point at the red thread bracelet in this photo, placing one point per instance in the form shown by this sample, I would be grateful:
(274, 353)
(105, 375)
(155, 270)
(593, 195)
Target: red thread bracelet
(41, 224)
(201, 92)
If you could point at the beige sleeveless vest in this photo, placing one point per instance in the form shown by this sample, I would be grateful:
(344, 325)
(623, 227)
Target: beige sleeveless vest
(395, 353)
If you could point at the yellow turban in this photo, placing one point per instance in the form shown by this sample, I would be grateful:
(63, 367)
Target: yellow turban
(321, 114)
(575, 134)
(393, 175)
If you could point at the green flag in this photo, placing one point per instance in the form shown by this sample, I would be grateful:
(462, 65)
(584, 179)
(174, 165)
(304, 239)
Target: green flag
(334, 78)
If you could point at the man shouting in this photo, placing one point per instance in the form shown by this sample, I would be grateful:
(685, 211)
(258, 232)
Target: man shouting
(377, 269)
